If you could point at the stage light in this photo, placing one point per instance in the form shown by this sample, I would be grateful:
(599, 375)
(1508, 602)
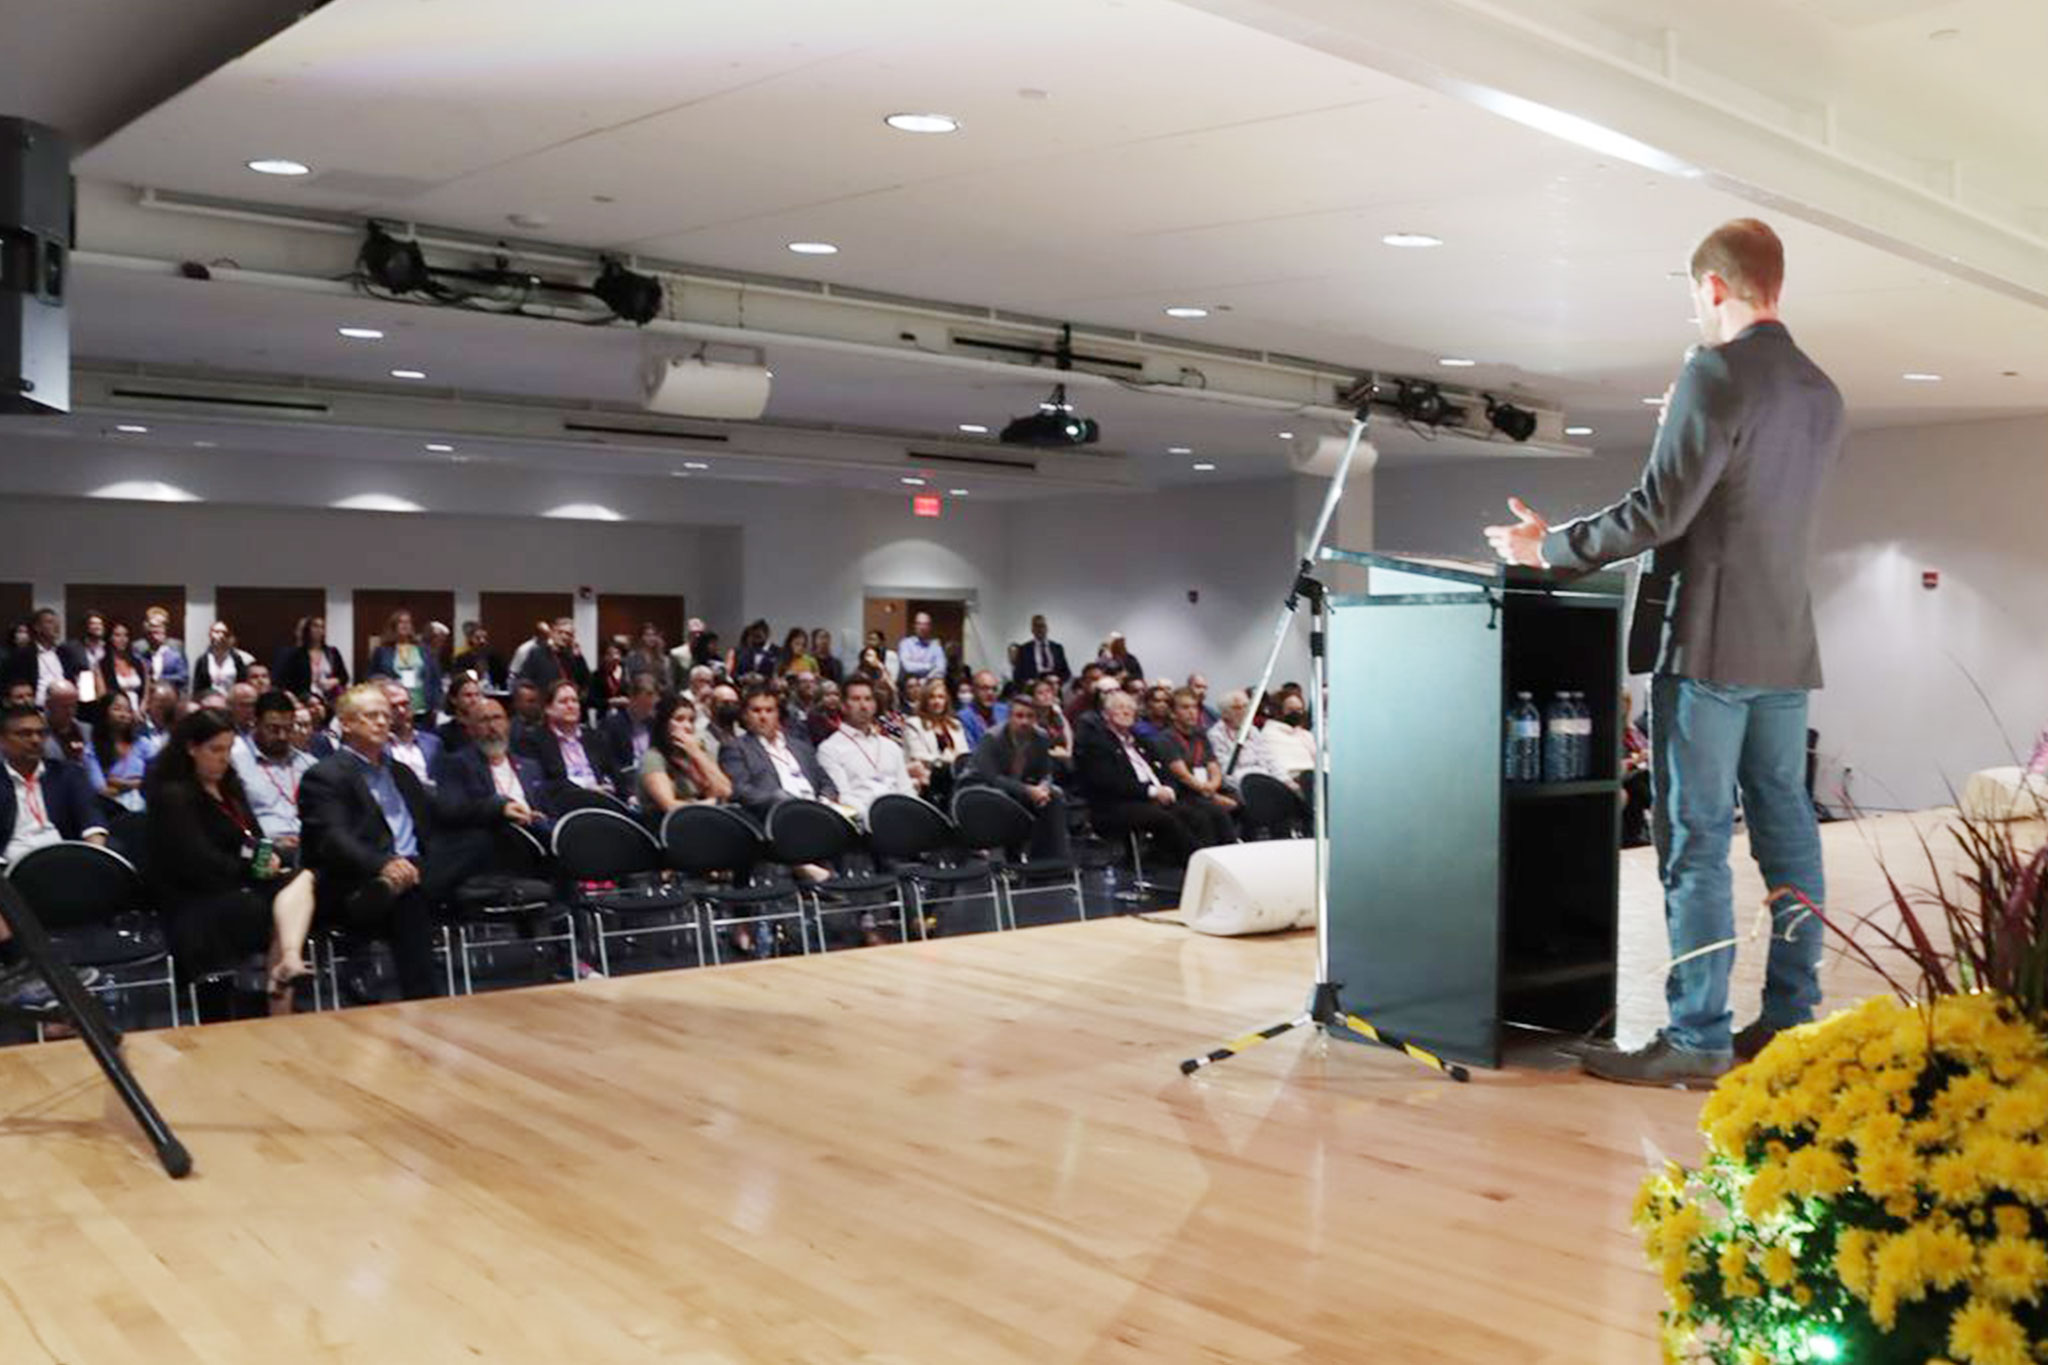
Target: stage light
(631, 297)
(1053, 426)
(1517, 424)
(400, 267)
(1419, 400)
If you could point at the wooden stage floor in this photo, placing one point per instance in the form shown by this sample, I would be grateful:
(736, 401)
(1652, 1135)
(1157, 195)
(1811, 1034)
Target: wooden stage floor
(977, 1151)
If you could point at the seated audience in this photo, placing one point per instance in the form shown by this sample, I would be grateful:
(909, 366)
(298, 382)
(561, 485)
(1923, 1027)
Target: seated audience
(650, 655)
(118, 671)
(478, 659)
(753, 656)
(768, 763)
(608, 682)
(222, 665)
(678, 769)
(1016, 760)
(629, 731)
(1127, 786)
(1085, 696)
(159, 712)
(1156, 715)
(242, 706)
(529, 713)
(312, 667)
(406, 659)
(161, 657)
(118, 756)
(796, 653)
(889, 718)
(723, 723)
(701, 680)
(1223, 738)
(46, 800)
(1199, 685)
(220, 899)
(260, 677)
(1052, 719)
(827, 715)
(317, 734)
(1116, 658)
(863, 762)
(462, 692)
(829, 667)
(802, 695)
(373, 838)
(1040, 657)
(890, 663)
(269, 767)
(1286, 747)
(1196, 775)
(416, 749)
(983, 713)
(69, 737)
(932, 737)
(570, 753)
(21, 693)
(485, 765)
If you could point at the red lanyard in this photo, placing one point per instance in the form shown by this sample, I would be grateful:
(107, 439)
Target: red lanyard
(291, 793)
(35, 803)
(233, 810)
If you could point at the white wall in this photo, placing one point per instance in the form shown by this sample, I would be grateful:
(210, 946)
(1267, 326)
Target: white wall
(1899, 711)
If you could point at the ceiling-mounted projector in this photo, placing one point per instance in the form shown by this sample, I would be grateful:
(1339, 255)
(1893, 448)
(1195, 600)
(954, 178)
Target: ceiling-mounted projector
(690, 386)
(1053, 426)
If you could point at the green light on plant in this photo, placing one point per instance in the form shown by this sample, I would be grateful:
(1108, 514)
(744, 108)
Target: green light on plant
(1820, 1346)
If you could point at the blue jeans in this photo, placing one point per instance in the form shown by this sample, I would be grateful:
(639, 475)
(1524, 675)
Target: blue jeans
(1706, 739)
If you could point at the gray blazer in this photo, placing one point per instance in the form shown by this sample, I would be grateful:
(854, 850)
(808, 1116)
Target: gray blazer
(755, 783)
(1728, 503)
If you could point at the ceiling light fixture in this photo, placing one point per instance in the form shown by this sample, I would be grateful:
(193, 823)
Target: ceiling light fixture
(1454, 362)
(695, 464)
(1286, 435)
(361, 333)
(1656, 402)
(956, 492)
(133, 429)
(1417, 239)
(408, 374)
(814, 248)
(974, 428)
(1203, 467)
(1921, 377)
(439, 448)
(1186, 310)
(923, 123)
(277, 165)
(1180, 450)
(912, 480)
(1578, 431)
(1517, 424)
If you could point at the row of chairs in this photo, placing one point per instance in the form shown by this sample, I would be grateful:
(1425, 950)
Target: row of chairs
(605, 877)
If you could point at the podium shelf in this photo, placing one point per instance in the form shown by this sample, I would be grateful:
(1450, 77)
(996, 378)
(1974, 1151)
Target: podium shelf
(1557, 791)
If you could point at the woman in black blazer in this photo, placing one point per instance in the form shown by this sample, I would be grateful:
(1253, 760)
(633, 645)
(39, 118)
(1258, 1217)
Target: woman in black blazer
(312, 665)
(218, 903)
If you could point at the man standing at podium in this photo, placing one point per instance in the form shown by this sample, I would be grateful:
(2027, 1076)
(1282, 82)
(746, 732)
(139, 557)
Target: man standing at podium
(1724, 620)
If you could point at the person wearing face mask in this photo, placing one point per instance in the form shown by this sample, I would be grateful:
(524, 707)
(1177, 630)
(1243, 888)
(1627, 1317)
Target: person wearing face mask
(1285, 746)
(725, 718)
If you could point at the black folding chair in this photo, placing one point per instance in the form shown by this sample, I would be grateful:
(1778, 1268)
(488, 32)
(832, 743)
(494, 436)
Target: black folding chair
(1272, 808)
(719, 852)
(916, 842)
(802, 832)
(91, 901)
(613, 869)
(998, 825)
(514, 904)
(574, 798)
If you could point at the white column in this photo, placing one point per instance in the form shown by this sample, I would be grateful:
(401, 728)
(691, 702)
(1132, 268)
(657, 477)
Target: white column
(341, 628)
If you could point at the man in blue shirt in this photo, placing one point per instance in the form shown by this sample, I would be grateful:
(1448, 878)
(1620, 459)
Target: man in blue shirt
(921, 656)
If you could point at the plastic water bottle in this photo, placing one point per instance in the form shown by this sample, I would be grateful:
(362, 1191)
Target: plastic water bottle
(1524, 740)
(1582, 735)
(1557, 739)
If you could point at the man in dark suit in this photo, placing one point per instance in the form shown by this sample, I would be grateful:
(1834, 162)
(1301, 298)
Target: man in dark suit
(626, 730)
(570, 753)
(48, 658)
(1039, 657)
(376, 840)
(487, 767)
(44, 801)
(768, 763)
(1728, 503)
(1016, 759)
(1126, 781)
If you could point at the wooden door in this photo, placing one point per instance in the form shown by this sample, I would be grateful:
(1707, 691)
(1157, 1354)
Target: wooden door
(265, 620)
(890, 615)
(375, 605)
(125, 602)
(949, 619)
(509, 617)
(623, 613)
(17, 600)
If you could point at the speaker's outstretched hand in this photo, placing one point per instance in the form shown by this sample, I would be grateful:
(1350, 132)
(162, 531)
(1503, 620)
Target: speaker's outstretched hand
(1522, 542)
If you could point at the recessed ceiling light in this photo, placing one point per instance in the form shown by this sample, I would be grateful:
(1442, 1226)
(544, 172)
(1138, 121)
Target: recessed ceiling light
(956, 492)
(133, 428)
(1656, 402)
(923, 123)
(1180, 450)
(408, 374)
(458, 458)
(913, 480)
(1186, 310)
(1411, 239)
(1204, 467)
(1921, 377)
(1456, 362)
(439, 448)
(361, 333)
(1578, 431)
(1286, 435)
(205, 445)
(679, 473)
(814, 248)
(277, 165)
(695, 464)
(974, 428)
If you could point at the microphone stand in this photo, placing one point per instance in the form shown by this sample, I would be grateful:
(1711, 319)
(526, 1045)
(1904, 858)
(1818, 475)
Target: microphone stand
(1325, 1010)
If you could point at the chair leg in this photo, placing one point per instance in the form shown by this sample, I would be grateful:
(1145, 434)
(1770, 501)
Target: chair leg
(462, 947)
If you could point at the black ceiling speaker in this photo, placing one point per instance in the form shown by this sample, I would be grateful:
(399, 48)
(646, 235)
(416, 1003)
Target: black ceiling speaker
(37, 226)
(1517, 424)
(632, 297)
(400, 267)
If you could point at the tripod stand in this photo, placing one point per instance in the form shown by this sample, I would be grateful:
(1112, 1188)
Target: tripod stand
(82, 1010)
(1325, 1009)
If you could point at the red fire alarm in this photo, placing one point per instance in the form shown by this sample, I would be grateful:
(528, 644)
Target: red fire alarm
(924, 505)
(1930, 579)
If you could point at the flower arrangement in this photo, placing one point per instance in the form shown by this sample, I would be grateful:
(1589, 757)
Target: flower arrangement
(1875, 1188)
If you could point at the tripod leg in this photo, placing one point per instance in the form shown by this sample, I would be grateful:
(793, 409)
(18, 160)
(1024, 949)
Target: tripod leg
(84, 1013)
(1237, 1045)
(1420, 1054)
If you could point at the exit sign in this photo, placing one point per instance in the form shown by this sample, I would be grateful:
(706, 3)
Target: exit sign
(924, 505)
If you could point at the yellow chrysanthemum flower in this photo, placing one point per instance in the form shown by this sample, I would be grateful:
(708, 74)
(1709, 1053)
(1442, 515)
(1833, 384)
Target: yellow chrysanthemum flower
(1985, 1334)
(1780, 1268)
(2013, 1269)
(2011, 1220)
(1852, 1261)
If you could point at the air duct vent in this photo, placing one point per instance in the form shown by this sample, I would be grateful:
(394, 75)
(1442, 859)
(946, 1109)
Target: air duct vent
(309, 406)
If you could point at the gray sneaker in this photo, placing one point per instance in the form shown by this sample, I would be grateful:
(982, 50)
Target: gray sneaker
(22, 991)
(1662, 1063)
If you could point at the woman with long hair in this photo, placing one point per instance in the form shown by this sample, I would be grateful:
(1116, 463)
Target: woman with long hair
(677, 769)
(405, 656)
(118, 757)
(796, 653)
(312, 667)
(119, 673)
(934, 737)
(221, 900)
